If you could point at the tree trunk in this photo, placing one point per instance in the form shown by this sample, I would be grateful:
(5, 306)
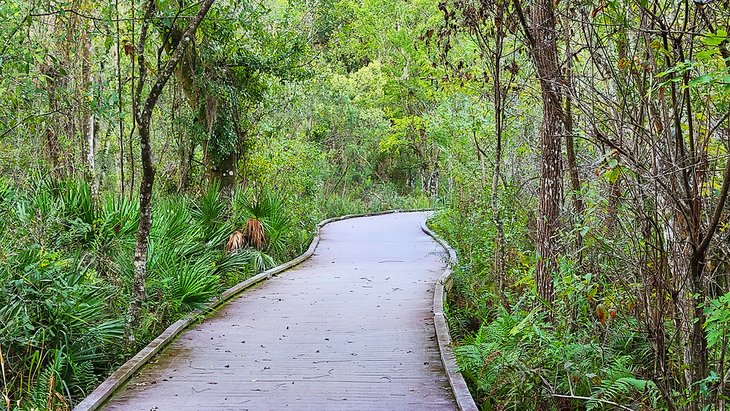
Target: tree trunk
(226, 174)
(480, 154)
(144, 115)
(433, 182)
(120, 102)
(86, 116)
(143, 232)
(499, 258)
(544, 53)
(52, 144)
(95, 135)
(575, 184)
(135, 107)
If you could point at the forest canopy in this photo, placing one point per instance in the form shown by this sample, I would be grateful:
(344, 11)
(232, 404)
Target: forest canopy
(156, 152)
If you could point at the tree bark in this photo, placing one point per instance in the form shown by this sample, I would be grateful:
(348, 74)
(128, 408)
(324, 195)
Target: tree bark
(575, 184)
(120, 102)
(227, 173)
(499, 244)
(542, 37)
(86, 116)
(144, 117)
(52, 144)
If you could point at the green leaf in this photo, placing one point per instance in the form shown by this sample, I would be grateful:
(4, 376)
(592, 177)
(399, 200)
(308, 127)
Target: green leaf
(613, 174)
(706, 55)
(703, 79)
(715, 39)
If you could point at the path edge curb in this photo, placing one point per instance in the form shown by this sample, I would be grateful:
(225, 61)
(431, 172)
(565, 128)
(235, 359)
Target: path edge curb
(118, 378)
(464, 400)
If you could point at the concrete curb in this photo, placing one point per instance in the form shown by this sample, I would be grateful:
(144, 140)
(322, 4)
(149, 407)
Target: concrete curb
(464, 400)
(119, 377)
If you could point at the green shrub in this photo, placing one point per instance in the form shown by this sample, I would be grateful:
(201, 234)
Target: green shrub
(55, 321)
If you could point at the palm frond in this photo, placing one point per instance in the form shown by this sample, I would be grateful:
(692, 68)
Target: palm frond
(193, 285)
(209, 210)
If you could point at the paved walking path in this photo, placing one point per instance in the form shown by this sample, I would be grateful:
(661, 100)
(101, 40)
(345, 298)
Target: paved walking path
(349, 329)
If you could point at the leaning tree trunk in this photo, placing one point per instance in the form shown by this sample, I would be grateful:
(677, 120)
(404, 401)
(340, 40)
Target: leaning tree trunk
(143, 230)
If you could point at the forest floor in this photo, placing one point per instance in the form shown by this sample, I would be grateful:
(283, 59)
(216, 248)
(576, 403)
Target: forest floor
(351, 327)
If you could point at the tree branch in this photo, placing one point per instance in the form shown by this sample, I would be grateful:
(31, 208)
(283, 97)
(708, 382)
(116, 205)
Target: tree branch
(162, 78)
(602, 401)
(523, 22)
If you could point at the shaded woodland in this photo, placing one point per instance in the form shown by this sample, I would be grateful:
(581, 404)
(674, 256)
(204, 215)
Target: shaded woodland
(156, 152)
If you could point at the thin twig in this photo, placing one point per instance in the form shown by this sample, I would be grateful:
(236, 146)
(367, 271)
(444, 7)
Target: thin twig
(5, 382)
(602, 401)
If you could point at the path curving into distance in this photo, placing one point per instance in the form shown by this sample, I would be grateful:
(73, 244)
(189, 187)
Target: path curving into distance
(349, 329)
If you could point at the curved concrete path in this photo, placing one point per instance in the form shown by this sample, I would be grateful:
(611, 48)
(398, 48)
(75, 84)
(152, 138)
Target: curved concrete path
(350, 328)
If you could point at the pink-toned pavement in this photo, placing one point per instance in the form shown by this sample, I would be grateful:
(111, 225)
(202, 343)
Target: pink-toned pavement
(350, 328)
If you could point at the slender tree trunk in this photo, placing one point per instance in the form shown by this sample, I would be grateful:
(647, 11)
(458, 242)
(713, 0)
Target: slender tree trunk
(480, 157)
(143, 231)
(86, 116)
(120, 103)
(135, 105)
(575, 184)
(433, 181)
(91, 147)
(144, 117)
(572, 163)
(52, 144)
(95, 134)
(499, 257)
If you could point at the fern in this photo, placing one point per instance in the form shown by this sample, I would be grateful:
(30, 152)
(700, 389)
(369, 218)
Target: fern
(625, 390)
(494, 359)
(83, 378)
(50, 391)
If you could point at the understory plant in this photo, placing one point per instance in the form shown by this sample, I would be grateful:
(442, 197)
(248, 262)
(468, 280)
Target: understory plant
(590, 355)
(66, 277)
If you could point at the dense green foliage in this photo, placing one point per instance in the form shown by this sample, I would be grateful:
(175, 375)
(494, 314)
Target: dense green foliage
(282, 113)
(638, 315)
(67, 270)
(69, 218)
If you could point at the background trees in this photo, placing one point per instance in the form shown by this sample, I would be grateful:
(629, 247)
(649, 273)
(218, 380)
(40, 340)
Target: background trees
(578, 152)
(636, 87)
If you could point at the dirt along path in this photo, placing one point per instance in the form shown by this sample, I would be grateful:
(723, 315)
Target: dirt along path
(350, 328)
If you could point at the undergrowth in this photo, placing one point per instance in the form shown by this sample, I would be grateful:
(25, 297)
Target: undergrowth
(513, 358)
(67, 272)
